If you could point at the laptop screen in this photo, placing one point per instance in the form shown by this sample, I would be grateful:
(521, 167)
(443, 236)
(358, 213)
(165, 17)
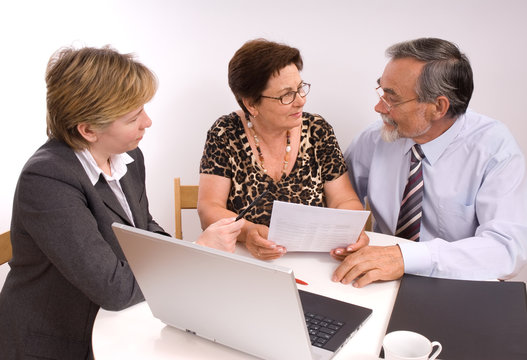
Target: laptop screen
(238, 301)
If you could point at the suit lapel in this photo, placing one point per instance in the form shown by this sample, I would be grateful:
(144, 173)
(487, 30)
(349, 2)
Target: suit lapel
(110, 200)
(102, 187)
(133, 194)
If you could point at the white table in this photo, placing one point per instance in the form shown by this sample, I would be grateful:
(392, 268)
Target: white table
(134, 333)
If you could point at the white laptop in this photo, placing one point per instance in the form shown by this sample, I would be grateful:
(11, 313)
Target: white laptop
(241, 302)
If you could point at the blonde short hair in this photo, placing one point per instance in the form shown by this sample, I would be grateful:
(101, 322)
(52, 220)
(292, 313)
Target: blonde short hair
(93, 86)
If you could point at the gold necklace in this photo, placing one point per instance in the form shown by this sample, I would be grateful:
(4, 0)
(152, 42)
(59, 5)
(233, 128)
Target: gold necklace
(257, 143)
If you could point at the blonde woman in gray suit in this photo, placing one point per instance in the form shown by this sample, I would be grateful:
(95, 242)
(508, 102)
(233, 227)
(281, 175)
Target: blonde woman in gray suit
(66, 261)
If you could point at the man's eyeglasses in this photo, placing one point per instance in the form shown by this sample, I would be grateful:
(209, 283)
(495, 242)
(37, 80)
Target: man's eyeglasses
(289, 97)
(388, 105)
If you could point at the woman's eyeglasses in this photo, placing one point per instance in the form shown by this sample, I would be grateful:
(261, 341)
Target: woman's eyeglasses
(290, 96)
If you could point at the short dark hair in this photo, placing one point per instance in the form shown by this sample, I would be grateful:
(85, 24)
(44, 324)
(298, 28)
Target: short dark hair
(255, 63)
(447, 71)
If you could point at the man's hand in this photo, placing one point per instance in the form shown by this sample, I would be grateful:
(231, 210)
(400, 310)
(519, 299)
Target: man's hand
(369, 264)
(341, 253)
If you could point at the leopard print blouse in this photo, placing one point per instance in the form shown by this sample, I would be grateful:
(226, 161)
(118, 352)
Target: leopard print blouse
(227, 153)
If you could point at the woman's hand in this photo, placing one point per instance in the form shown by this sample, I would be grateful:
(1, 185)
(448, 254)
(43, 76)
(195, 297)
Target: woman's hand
(258, 245)
(222, 234)
(341, 253)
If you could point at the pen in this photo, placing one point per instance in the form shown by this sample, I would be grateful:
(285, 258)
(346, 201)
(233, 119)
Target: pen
(255, 201)
(301, 282)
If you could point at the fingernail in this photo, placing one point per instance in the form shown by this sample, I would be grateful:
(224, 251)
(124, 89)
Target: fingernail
(338, 252)
(350, 248)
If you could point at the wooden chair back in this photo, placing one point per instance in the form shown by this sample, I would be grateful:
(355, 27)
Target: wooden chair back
(185, 197)
(6, 252)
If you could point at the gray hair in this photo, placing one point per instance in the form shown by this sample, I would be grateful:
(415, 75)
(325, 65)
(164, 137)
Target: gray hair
(447, 71)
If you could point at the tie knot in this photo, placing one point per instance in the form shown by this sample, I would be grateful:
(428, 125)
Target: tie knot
(417, 153)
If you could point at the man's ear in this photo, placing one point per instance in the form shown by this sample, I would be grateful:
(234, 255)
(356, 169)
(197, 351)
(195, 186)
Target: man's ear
(442, 104)
(87, 132)
(253, 111)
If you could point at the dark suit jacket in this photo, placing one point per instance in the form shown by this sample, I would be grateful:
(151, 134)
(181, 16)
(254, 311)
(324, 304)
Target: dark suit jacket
(66, 260)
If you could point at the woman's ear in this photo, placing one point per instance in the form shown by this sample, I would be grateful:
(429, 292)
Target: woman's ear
(87, 132)
(249, 105)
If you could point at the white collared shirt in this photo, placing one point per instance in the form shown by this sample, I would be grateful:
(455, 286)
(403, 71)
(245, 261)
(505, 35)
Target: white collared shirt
(474, 223)
(118, 167)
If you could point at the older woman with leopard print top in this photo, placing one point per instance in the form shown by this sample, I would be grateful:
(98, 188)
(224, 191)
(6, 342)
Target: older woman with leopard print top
(271, 144)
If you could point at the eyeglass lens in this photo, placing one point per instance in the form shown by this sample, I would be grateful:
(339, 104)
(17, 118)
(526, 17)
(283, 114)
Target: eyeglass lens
(290, 96)
(380, 92)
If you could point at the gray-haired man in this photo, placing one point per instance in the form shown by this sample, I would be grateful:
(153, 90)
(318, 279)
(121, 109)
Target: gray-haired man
(437, 173)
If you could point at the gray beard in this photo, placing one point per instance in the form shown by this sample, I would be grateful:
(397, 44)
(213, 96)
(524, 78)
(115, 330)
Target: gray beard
(392, 135)
(389, 135)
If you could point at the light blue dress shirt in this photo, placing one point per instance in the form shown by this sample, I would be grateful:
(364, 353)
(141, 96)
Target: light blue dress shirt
(474, 223)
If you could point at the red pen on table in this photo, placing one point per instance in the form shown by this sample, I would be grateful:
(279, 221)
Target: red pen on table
(301, 282)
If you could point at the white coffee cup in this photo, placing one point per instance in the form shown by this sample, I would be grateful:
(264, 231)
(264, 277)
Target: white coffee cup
(409, 345)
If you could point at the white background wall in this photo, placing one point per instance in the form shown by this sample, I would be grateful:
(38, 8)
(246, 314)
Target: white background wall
(189, 43)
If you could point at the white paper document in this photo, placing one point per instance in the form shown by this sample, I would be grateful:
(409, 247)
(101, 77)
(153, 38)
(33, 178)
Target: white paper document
(311, 228)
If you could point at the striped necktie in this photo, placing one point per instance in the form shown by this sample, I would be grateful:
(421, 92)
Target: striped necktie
(409, 222)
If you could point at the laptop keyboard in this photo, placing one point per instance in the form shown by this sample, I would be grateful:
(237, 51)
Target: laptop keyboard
(321, 329)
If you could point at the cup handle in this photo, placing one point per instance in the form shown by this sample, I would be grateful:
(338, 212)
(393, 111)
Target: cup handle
(436, 353)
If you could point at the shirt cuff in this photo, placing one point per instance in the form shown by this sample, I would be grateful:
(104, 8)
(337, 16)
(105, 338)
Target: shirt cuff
(417, 258)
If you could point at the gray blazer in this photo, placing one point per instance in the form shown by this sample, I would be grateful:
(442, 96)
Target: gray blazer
(66, 262)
